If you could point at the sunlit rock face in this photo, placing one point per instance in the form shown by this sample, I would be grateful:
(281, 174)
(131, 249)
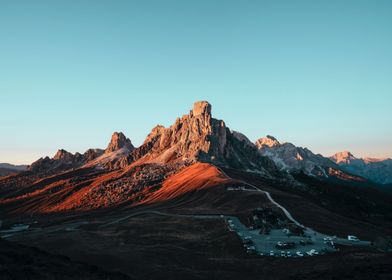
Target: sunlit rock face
(344, 157)
(63, 155)
(268, 141)
(119, 141)
(192, 137)
(114, 156)
(197, 136)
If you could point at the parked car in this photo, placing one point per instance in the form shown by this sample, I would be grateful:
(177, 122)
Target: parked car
(299, 254)
(352, 238)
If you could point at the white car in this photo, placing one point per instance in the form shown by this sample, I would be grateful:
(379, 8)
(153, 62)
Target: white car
(299, 254)
(352, 238)
(312, 252)
(272, 253)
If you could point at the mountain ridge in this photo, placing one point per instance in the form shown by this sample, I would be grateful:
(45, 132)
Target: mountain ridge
(197, 136)
(377, 170)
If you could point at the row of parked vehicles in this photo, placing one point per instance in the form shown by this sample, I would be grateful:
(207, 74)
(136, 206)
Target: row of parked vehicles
(289, 254)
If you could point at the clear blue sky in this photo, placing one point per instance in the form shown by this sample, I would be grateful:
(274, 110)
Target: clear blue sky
(315, 73)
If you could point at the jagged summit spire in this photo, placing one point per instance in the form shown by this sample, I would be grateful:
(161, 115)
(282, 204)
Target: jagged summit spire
(201, 108)
(119, 141)
(61, 154)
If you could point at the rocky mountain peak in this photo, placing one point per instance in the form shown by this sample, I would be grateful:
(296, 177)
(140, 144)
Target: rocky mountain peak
(343, 157)
(63, 155)
(268, 141)
(346, 154)
(198, 136)
(119, 141)
(192, 136)
(201, 108)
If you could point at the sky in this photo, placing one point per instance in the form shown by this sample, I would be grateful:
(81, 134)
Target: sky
(314, 73)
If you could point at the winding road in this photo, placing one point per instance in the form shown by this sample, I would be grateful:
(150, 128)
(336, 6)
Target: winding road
(285, 211)
(159, 213)
(309, 230)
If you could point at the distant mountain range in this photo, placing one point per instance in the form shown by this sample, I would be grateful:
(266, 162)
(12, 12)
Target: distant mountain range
(6, 168)
(199, 137)
(296, 159)
(377, 170)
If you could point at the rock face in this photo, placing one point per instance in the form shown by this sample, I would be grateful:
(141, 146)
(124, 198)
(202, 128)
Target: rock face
(291, 158)
(61, 160)
(92, 154)
(63, 155)
(345, 157)
(268, 141)
(119, 141)
(115, 155)
(199, 137)
(376, 170)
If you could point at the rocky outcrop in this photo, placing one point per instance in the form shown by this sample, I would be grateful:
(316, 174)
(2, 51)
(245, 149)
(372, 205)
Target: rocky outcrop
(268, 141)
(345, 157)
(60, 161)
(115, 156)
(92, 154)
(197, 136)
(119, 141)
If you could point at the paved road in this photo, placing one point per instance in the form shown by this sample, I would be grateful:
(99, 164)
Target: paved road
(159, 213)
(285, 211)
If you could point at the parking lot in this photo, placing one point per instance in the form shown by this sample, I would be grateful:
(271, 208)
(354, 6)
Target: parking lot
(311, 244)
